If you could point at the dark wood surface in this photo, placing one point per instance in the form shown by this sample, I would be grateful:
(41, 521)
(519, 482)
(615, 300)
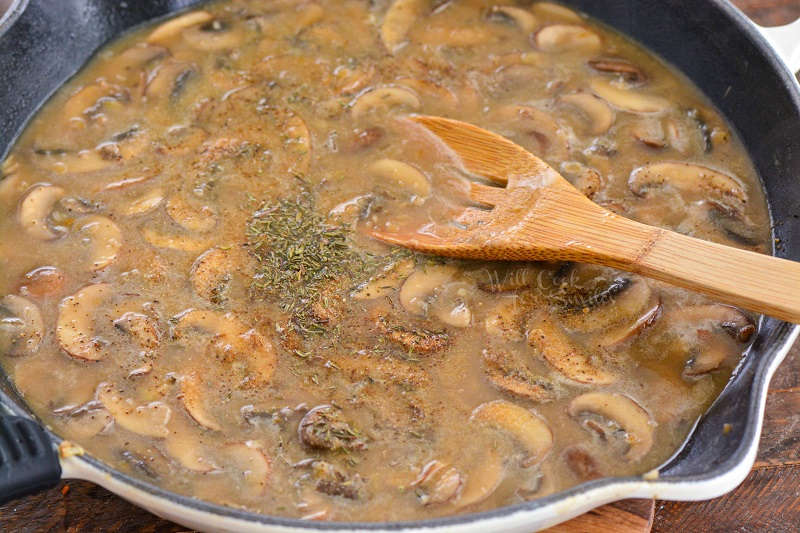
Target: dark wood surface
(767, 501)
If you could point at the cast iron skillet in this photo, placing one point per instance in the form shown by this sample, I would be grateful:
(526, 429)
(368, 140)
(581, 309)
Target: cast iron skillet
(710, 41)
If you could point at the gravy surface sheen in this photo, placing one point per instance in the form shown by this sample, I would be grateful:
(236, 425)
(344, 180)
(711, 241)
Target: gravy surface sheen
(187, 290)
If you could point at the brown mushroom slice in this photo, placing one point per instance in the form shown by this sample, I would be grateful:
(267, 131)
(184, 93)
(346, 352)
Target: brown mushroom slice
(419, 289)
(735, 224)
(149, 419)
(399, 174)
(482, 480)
(619, 334)
(522, 18)
(622, 303)
(559, 38)
(530, 430)
(433, 91)
(183, 243)
(386, 282)
(91, 99)
(176, 25)
(324, 427)
(21, 326)
(35, 208)
(214, 35)
(235, 343)
(586, 179)
(561, 353)
(188, 450)
(414, 340)
(398, 21)
(437, 483)
(622, 411)
(75, 325)
(383, 100)
(452, 306)
(193, 400)
(511, 375)
(169, 81)
(628, 99)
(598, 113)
(248, 462)
(190, 217)
(83, 421)
(506, 319)
(650, 132)
(626, 69)
(141, 328)
(536, 130)
(212, 272)
(105, 240)
(145, 203)
(709, 354)
(42, 282)
(695, 182)
(582, 464)
(128, 64)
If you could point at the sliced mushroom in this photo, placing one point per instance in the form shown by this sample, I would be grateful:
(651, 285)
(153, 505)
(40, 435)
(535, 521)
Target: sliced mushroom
(35, 209)
(407, 177)
(192, 396)
(626, 69)
(176, 25)
(169, 81)
(650, 132)
(432, 91)
(183, 243)
(566, 38)
(599, 115)
(21, 326)
(733, 223)
(622, 412)
(582, 464)
(386, 282)
(129, 63)
(694, 182)
(534, 129)
(414, 340)
(201, 219)
(506, 319)
(188, 451)
(90, 100)
(587, 180)
(42, 282)
(531, 431)
(105, 240)
(628, 99)
(384, 99)
(84, 421)
(248, 461)
(563, 354)
(213, 271)
(437, 483)
(398, 21)
(324, 427)
(145, 203)
(213, 36)
(418, 291)
(482, 480)
(510, 375)
(333, 481)
(148, 419)
(75, 326)
(141, 328)
(623, 301)
(523, 18)
(236, 344)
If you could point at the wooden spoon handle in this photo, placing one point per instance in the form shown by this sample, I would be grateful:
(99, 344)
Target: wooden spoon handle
(754, 281)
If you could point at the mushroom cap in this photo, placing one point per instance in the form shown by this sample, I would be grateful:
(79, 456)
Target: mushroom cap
(625, 412)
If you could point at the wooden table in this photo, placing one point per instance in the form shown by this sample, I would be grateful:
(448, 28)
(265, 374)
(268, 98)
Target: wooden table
(767, 501)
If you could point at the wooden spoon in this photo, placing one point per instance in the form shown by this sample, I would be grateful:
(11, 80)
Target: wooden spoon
(540, 216)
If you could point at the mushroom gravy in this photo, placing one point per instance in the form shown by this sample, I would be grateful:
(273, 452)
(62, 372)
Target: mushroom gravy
(187, 292)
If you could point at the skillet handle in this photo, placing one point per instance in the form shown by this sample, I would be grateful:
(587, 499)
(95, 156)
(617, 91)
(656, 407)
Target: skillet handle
(28, 460)
(786, 42)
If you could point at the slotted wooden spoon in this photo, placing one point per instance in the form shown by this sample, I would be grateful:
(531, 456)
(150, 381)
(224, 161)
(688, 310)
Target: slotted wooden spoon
(539, 216)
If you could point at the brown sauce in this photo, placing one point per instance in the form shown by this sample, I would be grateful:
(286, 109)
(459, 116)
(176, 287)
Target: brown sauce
(188, 294)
